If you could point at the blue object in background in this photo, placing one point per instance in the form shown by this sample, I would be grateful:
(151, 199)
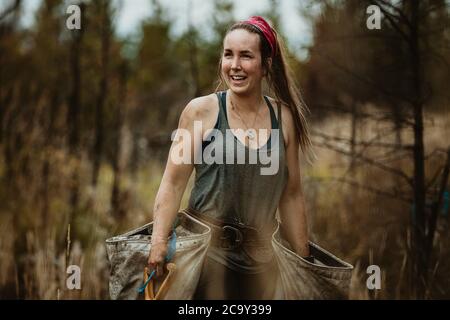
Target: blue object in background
(445, 206)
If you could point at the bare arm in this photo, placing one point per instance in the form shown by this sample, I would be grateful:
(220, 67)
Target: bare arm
(173, 184)
(176, 175)
(292, 205)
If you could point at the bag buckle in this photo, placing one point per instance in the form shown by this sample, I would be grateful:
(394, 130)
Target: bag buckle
(235, 240)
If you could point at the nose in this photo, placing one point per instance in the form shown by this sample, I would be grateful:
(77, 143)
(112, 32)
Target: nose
(236, 63)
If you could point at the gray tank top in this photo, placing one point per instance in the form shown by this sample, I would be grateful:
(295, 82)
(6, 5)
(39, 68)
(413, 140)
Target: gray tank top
(240, 192)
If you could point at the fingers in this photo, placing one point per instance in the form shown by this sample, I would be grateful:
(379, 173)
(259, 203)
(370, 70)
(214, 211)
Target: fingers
(157, 258)
(159, 269)
(157, 264)
(150, 266)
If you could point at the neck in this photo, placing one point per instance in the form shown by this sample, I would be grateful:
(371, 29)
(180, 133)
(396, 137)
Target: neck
(250, 102)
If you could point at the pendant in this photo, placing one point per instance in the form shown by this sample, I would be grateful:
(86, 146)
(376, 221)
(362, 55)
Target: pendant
(251, 134)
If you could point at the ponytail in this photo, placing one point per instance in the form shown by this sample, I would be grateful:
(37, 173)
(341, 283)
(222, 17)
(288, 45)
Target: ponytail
(281, 81)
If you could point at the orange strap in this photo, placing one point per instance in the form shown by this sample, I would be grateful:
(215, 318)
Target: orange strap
(149, 290)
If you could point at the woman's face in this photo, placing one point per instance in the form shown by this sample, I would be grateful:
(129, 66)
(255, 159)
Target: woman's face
(241, 61)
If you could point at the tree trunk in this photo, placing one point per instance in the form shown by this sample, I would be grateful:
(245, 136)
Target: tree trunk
(419, 223)
(353, 135)
(193, 54)
(99, 123)
(73, 121)
(46, 167)
(435, 210)
(118, 208)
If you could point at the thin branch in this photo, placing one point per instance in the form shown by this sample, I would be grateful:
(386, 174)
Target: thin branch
(11, 9)
(401, 14)
(364, 115)
(437, 206)
(434, 178)
(434, 152)
(361, 79)
(363, 143)
(363, 149)
(394, 195)
(359, 36)
(375, 138)
(374, 163)
(391, 155)
(394, 24)
(381, 135)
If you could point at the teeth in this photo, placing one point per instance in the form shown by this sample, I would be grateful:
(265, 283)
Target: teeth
(237, 77)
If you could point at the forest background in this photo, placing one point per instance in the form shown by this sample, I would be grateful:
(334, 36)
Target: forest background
(86, 117)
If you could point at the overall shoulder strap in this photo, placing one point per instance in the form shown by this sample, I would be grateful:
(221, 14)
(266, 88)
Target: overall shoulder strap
(280, 122)
(222, 118)
(273, 118)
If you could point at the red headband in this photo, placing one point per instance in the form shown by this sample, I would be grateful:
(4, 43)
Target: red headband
(266, 30)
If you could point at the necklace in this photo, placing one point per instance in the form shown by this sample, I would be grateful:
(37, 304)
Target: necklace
(251, 132)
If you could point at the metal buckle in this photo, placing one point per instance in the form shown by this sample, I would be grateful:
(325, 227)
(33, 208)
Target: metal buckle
(238, 237)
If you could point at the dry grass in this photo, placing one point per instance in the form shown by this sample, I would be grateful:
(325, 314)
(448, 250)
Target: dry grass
(357, 225)
(366, 228)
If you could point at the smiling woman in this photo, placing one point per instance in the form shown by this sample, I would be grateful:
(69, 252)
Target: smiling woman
(236, 200)
(241, 61)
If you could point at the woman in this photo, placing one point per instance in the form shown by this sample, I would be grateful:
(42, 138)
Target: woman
(237, 200)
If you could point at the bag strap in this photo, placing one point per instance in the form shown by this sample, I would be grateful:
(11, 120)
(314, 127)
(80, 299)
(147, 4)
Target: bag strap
(149, 290)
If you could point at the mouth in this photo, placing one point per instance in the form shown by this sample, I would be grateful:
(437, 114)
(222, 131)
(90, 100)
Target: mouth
(238, 79)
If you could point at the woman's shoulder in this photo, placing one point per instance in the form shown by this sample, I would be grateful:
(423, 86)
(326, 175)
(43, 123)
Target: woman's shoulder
(287, 118)
(286, 113)
(203, 108)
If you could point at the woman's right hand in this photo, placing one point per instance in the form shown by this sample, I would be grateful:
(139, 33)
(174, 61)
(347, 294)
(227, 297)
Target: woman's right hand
(157, 257)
